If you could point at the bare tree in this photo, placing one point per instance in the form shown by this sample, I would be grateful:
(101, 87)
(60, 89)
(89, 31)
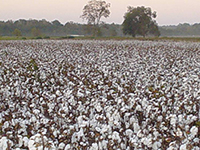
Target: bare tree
(94, 11)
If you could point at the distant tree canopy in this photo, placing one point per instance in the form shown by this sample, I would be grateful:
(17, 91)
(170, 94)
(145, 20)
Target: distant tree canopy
(35, 32)
(184, 29)
(56, 23)
(139, 21)
(17, 32)
(94, 11)
(55, 28)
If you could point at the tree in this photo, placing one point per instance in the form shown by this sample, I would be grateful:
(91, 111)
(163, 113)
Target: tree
(57, 23)
(140, 21)
(17, 32)
(94, 11)
(113, 32)
(35, 32)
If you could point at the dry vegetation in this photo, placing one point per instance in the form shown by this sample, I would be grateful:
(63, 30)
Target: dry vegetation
(92, 94)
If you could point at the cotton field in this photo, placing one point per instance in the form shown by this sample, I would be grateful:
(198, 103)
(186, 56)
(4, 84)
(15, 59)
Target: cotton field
(98, 95)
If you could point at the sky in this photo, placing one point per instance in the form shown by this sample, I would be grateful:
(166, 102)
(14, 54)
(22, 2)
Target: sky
(169, 12)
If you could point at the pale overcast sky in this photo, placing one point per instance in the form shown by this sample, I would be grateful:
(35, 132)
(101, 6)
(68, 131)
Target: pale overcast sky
(169, 12)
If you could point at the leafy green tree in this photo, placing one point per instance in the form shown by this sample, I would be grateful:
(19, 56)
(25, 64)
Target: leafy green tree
(57, 23)
(140, 21)
(113, 32)
(35, 32)
(99, 32)
(94, 11)
(17, 32)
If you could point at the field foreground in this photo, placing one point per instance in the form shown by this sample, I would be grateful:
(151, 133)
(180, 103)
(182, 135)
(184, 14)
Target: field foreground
(92, 94)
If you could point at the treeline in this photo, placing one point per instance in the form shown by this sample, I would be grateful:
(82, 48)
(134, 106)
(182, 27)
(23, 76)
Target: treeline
(181, 30)
(55, 28)
(43, 28)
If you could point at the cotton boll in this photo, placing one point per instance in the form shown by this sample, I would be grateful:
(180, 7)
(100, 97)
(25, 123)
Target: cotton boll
(147, 141)
(5, 125)
(81, 122)
(37, 142)
(33, 140)
(138, 108)
(139, 134)
(98, 108)
(20, 141)
(33, 119)
(80, 94)
(144, 104)
(134, 142)
(132, 120)
(193, 131)
(156, 134)
(194, 118)
(4, 143)
(83, 144)
(55, 133)
(196, 140)
(129, 133)
(172, 146)
(52, 80)
(173, 120)
(61, 145)
(123, 146)
(183, 147)
(58, 93)
(67, 93)
(179, 133)
(94, 146)
(104, 144)
(42, 75)
(98, 129)
(149, 107)
(25, 140)
(80, 134)
(156, 145)
(44, 120)
(67, 147)
(195, 148)
(32, 105)
(36, 111)
(180, 118)
(31, 145)
(136, 127)
(105, 128)
(160, 118)
(115, 136)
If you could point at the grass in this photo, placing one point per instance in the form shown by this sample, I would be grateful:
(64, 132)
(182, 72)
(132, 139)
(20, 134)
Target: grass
(9, 38)
(192, 39)
(13, 38)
